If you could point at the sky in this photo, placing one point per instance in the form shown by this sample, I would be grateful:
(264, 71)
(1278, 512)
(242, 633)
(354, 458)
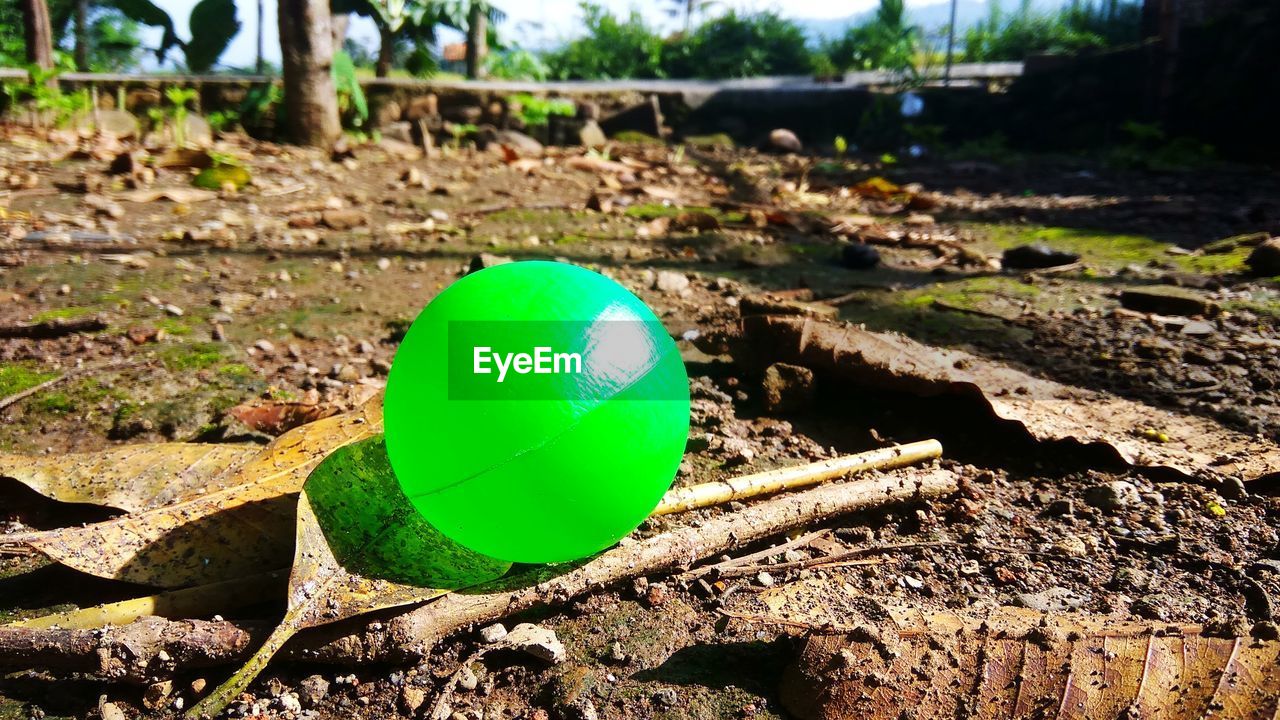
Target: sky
(530, 23)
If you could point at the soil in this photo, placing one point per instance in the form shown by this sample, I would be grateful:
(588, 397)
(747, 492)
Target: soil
(257, 294)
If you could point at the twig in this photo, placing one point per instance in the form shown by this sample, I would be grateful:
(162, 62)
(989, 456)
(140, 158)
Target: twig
(788, 478)
(408, 636)
(799, 542)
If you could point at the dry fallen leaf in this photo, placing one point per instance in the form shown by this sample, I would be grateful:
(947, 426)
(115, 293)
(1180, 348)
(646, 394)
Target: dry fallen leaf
(1050, 411)
(178, 195)
(132, 478)
(361, 546)
(243, 527)
(1010, 663)
(277, 418)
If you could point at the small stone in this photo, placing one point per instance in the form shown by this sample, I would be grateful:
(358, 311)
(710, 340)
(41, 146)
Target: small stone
(784, 140)
(591, 136)
(537, 641)
(110, 711)
(313, 690)
(1199, 328)
(765, 579)
(1035, 257)
(490, 634)
(384, 263)
(157, 695)
(467, 679)
(616, 653)
(288, 702)
(265, 346)
(1113, 496)
(412, 697)
(198, 685)
(218, 333)
(412, 176)
(344, 219)
(669, 281)
(666, 698)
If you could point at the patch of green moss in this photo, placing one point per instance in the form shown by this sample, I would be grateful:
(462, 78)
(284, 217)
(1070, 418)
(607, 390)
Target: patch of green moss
(66, 313)
(715, 140)
(174, 327)
(650, 211)
(635, 136)
(215, 177)
(1112, 250)
(238, 371)
(57, 403)
(16, 377)
(191, 356)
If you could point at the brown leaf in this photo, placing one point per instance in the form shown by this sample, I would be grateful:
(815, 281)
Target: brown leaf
(242, 527)
(178, 195)
(183, 157)
(1049, 411)
(1012, 663)
(361, 547)
(132, 478)
(276, 418)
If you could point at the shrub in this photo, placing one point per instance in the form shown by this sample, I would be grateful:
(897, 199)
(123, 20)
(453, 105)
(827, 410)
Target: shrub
(886, 41)
(1025, 31)
(740, 45)
(612, 48)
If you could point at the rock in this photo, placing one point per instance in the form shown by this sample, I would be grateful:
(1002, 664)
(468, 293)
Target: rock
(737, 451)
(345, 373)
(400, 131)
(493, 633)
(412, 698)
(1168, 302)
(859, 256)
(119, 123)
(1113, 495)
(233, 302)
(784, 140)
(787, 388)
(467, 679)
(600, 203)
(288, 702)
(765, 579)
(487, 260)
(386, 113)
(104, 206)
(644, 117)
(265, 346)
(197, 131)
(537, 641)
(400, 149)
(344, 219)
(666, 698)
(313, 690)
(669, 281)
(157, 695)
(1053, 600)
(1265, 630)
(522, 144)
(616, 653)
(591, 136)
(421, 108)
(1034, 257)
(110, 711)
(1199, 328)
(1265, 259)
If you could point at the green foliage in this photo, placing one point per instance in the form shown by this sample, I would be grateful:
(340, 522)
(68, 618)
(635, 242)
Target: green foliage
(536, 110)
(1026, 31)
(421, 63)
(176, 113)
(351, 100)
(259, 102)
(516, 64)
(741, 45)
(886, 41)
(223, 120)
(1147, 147)
(213, 24)
(612, 48)
(42, 94)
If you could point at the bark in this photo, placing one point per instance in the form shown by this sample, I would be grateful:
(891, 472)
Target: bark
(477, 39)
(38, 33)
(306, 45)
(386, 47)
(82, 35)
(409, 635)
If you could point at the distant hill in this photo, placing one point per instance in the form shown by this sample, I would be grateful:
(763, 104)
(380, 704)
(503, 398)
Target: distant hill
(931, 17)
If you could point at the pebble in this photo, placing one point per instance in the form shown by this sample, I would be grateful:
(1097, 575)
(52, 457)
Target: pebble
(467, 679)
(313, 690)
(537, 641)
(1036, 257)
(412, 698)
(785, 140)
(493, 633)
(1112, 496)
(666, 697)
(765, 579)
(669, 281)
(265, 346)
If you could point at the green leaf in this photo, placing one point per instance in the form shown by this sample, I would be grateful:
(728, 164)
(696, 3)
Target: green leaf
(148, 13)
(213, 24)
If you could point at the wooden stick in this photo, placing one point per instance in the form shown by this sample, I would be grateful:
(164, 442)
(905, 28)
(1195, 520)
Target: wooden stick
(409, 635)
(799, 476)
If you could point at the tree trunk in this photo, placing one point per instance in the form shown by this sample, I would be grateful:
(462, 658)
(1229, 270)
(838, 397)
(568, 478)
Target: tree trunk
(260, 65)
(82, 35)
(385, 49)
(477, 37)
(306, 48)
(38, 33)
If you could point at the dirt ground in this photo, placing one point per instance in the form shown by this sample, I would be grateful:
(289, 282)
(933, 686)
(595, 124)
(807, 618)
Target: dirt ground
(299, 285)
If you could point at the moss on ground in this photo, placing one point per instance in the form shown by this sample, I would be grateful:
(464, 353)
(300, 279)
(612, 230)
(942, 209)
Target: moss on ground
(180, 357)
(1109, 250)
(66, 313)
(16, 377)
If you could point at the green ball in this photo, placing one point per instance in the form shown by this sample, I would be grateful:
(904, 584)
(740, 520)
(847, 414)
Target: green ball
(536, 412)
